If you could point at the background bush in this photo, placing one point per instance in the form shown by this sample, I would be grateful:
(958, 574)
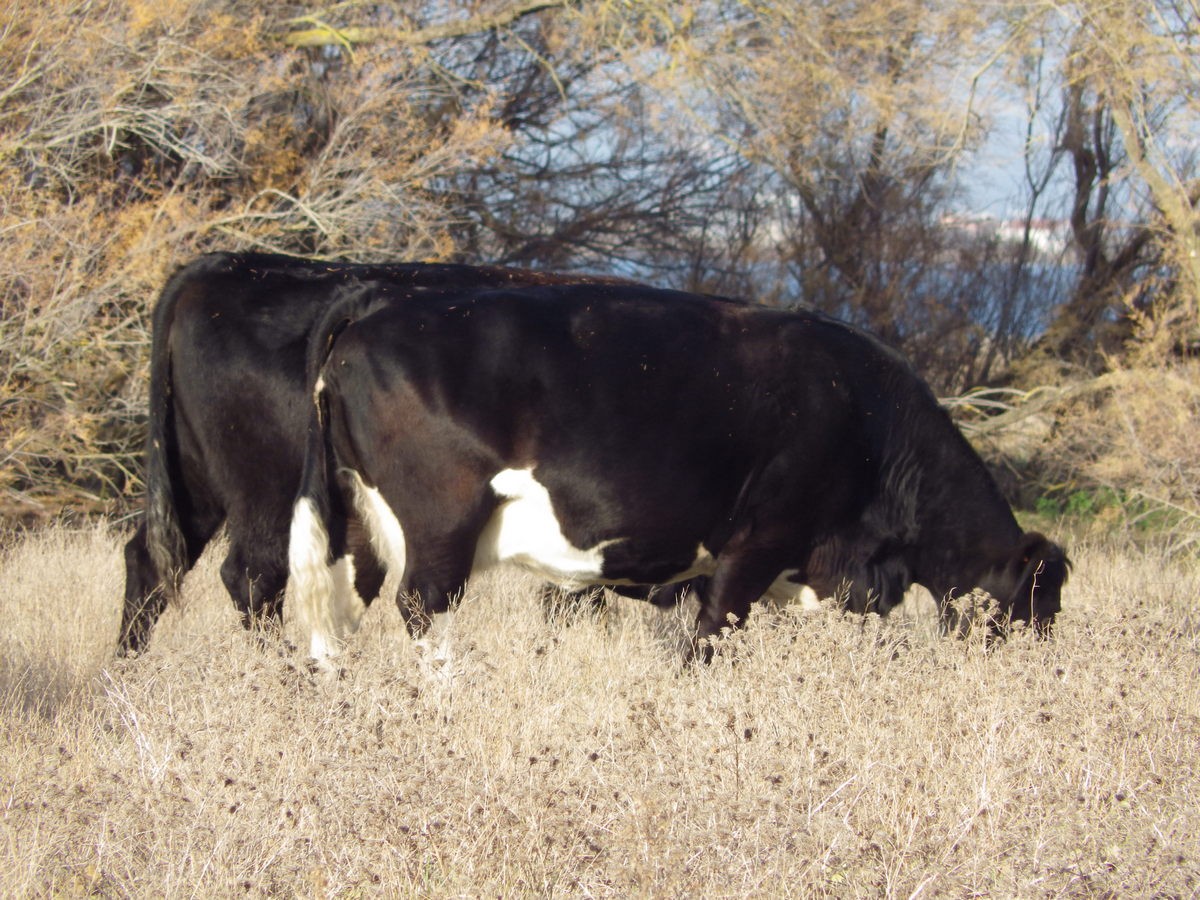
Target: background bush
(821, 154)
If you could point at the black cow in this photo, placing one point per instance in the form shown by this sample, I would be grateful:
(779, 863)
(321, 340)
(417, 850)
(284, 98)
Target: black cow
(625, 435)
(228, 414)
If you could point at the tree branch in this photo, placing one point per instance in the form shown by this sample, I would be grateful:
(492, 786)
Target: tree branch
(322, 34)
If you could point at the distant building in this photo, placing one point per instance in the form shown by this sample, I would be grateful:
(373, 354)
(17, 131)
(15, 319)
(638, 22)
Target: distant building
(1048, 238)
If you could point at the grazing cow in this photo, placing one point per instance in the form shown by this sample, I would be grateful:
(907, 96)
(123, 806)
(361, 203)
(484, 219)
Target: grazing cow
(617, 434)
(228, 414)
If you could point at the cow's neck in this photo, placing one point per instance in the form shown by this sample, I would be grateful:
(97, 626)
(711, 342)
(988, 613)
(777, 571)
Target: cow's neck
(946, 507)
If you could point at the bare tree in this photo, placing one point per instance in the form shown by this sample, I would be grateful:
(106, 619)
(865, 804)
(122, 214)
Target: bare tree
(1122, 73)
(850, 112)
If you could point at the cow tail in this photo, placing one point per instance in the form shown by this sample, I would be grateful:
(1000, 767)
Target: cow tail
(165, 539)
(318, 526)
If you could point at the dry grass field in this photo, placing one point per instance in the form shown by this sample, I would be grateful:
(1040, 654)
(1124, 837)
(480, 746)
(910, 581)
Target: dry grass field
(820, 755)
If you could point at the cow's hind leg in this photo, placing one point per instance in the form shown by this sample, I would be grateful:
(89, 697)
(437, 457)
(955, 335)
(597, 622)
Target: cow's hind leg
(433, 553)
(369, 570)
(145, 596)
(255, 573)
(437, 572)
(255, 576)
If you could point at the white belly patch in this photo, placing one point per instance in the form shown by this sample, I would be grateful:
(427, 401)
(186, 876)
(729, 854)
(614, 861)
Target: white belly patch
(525, 531)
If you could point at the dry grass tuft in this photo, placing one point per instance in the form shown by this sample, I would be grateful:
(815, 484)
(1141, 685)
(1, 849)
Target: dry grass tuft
(820, 754)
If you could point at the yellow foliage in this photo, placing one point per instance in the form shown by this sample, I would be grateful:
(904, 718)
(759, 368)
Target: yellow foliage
(229, 36)
(274, 160)
(146, 16)
(442, 249)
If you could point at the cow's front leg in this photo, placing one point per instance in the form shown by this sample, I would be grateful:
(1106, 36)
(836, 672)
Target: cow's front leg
(741, 577)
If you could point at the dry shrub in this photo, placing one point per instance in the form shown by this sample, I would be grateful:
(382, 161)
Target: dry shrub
(134, 136)
(1121, 446)
(1140, 431)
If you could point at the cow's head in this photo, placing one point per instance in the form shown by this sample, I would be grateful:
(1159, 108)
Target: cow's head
(1027, 581)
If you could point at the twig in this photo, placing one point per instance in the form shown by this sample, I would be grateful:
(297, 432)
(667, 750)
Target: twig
(322, 35)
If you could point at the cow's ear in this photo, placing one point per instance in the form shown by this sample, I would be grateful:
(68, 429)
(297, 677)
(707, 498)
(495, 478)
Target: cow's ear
(1030, 546)
(1036, 547)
